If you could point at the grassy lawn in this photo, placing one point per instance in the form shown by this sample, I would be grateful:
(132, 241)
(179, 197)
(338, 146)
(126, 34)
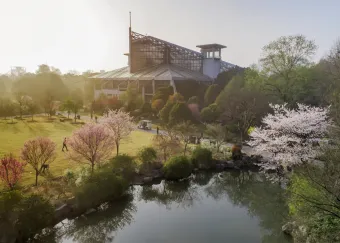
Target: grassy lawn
(13, 136)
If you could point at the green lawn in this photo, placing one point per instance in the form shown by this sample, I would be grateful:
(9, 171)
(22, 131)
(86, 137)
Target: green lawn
(13, 136)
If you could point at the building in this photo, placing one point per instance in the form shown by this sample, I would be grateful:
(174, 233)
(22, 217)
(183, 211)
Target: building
(155, 63)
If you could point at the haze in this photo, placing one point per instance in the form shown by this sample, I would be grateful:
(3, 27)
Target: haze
(93, 34)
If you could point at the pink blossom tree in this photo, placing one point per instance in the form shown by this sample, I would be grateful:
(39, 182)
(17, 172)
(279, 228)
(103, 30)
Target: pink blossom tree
(195, 110)
(10, 170)
(288, 135)
(91, 144)
(120, 124)
(38, 152)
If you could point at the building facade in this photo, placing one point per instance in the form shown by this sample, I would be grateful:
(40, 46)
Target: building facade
(155, 63)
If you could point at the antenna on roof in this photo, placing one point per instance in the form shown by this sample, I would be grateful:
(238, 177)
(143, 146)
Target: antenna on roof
(130, 19)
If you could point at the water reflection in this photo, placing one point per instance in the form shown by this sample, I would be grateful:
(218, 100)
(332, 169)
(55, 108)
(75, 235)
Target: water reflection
(214, 199)
(98, 227)
(263, 200)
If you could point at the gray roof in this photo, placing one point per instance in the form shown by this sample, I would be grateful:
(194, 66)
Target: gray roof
(211, 46)
(159, 72)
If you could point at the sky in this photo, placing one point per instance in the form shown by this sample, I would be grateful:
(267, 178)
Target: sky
(93, 34)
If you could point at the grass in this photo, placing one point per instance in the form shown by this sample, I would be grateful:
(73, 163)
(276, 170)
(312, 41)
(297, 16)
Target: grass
(13, 137)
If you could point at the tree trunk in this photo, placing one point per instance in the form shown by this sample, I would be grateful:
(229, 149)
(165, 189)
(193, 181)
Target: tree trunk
(92, 167)
(117, 146)
(36, 178)
(185, 148)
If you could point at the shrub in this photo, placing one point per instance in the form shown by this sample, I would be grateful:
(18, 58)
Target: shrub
(124, 165)
(210, 113)
(147, 155)
(164, 112)
(202, 158)
(34, 209)
(236, 152)
(82, 174)
(177, 167)
(101, 186)
(26, 215)
(69, 175)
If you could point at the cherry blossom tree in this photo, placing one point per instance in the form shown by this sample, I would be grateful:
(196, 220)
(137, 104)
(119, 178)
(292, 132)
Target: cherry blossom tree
(120, 124)
(91, 144)
(38, 152)
(10, 170)
(289, 136)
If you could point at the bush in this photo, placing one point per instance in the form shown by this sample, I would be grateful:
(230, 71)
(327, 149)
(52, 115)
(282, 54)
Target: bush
(147, 157)
(124, 165)
(69, 175)
(25, 216)
(101, 186)
(34, 209)
(202, 158)
(210, 113)
(177, 167)
(236, 152)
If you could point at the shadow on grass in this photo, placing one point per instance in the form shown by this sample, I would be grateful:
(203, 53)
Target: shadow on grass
(10, 126)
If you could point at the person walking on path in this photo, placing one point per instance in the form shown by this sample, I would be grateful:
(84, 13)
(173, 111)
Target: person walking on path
(64, 145)
(157, 130)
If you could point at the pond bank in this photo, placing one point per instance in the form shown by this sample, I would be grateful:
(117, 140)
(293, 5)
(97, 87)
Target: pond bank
(230, 202)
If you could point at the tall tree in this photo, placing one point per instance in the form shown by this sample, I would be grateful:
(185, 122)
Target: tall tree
(22, 101)
(211, 94)
(7, 108)
(32, 107)
(280, 60)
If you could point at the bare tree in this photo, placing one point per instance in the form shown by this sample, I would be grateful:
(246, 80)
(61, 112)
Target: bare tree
(184, 131)
(38, 153)
(120, 123)
(217, 132)
(21, 100)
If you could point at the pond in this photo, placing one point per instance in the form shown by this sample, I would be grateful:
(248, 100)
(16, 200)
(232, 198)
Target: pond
(240, 207)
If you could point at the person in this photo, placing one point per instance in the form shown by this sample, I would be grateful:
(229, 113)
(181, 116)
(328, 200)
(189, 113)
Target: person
(64, 145)
(157, 130)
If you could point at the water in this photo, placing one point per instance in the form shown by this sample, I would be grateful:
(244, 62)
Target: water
(228, 207)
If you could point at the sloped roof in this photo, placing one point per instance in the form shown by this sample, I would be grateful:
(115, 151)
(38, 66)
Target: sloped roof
(158, 72)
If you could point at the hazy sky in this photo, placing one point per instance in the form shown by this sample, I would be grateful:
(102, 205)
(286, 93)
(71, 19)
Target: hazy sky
(93, 34)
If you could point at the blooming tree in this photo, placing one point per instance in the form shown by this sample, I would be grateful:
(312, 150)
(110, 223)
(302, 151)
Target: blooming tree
(288, 135)
(10, 170)
(91, 144)
(120, 124)
(38, 152)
